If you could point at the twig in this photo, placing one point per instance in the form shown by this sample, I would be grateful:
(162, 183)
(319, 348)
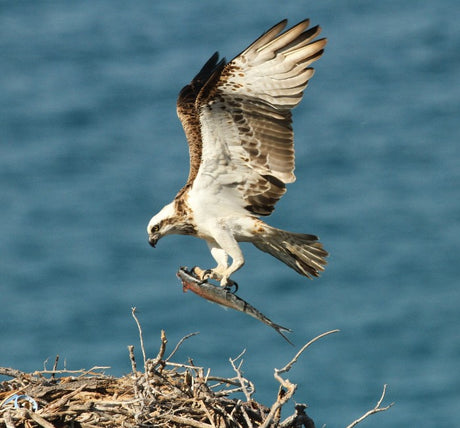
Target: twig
(186, 421)
(182, 365)
(92, 371)
(132, 358)
(277, 414)
(223, 380)
(376, 409)
(38, 419)
(284, 396)
(161, 352)
(241, 379)
(7, 371)
(208, 415)
(227, 417)
(245, 414)
(64, 399)
(55, 366)
(289, 365)
(180, 343)
(141, 339)
(82, 372)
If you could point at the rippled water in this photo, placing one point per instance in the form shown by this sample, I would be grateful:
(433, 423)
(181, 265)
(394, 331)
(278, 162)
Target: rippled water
(90, 148)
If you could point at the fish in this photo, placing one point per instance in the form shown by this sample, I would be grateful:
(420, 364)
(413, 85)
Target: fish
(223, 296)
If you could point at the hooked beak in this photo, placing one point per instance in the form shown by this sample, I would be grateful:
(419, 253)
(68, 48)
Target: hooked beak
(153, 239)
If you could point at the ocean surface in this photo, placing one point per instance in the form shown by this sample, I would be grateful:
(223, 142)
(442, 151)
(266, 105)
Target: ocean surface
(91, 148)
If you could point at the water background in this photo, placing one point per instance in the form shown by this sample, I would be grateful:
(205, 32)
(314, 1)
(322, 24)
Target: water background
(90, 149)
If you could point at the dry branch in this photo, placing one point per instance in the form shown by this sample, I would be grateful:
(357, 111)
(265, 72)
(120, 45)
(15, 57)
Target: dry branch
(287, 389)
(376, 409)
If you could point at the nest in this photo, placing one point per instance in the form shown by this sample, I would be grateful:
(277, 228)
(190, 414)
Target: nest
(163, 394)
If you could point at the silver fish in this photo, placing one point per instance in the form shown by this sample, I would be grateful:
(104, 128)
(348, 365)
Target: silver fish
(224, 297)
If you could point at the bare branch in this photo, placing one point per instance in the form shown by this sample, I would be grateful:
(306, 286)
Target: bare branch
(64, 399)
(208, 415)
(161, 352)
(185, 421)
(132, 358)
(243, 381)
(245, 414)
(182, 365)
(7, 371)
(133, 312)
(82, 372)
(55, 365)
(289, 365)
(285, 395)
(376, 409)
(180, 343)
(38, 419)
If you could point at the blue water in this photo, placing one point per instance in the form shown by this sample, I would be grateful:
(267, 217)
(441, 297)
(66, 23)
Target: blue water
(90, 149)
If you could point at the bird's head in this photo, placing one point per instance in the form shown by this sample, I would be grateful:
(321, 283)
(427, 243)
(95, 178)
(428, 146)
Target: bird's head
(161, 224)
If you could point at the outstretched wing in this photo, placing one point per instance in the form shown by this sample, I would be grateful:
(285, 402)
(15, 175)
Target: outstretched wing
(189, 116)
(244, 110)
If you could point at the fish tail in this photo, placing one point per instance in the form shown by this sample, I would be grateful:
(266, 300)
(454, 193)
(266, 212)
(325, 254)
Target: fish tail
(301, 252)
(280, 329)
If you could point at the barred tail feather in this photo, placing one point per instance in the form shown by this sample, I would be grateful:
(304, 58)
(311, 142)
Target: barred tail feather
(301, 252)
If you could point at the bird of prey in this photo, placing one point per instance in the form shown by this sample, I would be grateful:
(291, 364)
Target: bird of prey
(237, 120)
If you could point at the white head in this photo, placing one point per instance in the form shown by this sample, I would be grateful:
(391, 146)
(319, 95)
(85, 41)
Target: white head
(162, 224)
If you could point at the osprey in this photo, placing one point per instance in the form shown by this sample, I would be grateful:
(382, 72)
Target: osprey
(237, 120)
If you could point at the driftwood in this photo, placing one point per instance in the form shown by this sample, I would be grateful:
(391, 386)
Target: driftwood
(163, 394)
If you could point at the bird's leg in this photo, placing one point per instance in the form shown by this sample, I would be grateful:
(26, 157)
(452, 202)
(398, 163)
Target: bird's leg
(221, 257)
(222, 272)
(225, 280)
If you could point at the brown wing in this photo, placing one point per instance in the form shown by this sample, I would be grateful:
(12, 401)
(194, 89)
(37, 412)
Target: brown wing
(245, 115)
(188, 115)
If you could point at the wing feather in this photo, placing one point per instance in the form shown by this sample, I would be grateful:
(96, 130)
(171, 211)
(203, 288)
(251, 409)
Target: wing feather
(280, 42)
(188, 115)
(244, 110)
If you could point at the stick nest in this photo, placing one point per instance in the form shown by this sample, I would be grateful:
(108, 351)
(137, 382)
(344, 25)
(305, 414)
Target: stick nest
(163, 394)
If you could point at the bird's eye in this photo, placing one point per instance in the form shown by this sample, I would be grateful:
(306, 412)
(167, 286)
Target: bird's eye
(155, 228)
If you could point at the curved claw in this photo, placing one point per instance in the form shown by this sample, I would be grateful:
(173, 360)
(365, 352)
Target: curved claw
(230, 285)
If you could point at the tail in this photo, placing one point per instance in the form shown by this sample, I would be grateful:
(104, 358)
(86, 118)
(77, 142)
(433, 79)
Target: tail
(301, 252)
